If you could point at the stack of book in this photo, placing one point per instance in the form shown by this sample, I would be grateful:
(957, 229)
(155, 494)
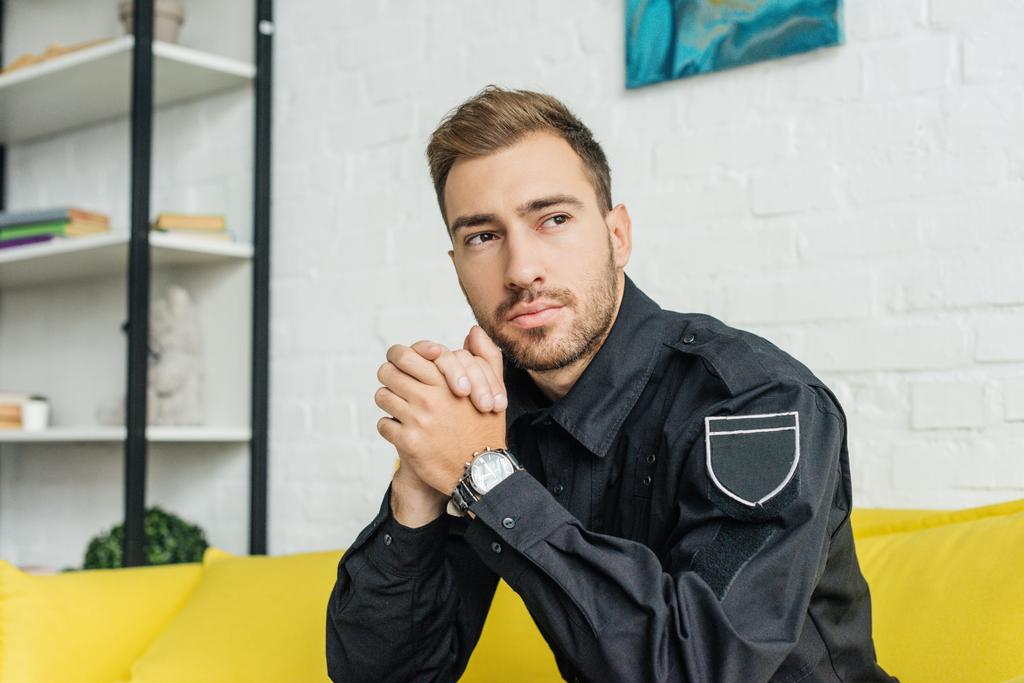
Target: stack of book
(10, 410)
(201, 226)
(41, 225)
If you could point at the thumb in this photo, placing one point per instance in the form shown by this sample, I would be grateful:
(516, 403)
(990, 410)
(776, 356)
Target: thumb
(479, 344)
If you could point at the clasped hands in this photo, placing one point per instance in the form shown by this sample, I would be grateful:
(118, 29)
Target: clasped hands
(443, 405)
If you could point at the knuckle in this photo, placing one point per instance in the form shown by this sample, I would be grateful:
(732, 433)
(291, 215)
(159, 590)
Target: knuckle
(401, 356)
(409, 441)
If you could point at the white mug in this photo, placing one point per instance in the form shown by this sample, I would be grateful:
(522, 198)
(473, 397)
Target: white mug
(35, 415)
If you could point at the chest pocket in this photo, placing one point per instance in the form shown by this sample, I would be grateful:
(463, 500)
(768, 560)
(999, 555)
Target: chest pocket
(644, 460)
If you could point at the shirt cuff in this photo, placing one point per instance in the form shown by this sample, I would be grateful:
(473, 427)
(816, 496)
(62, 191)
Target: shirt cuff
(511, 517)
(409, 551)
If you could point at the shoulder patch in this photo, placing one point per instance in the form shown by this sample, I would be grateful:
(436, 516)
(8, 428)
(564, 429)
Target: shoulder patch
(751, 458)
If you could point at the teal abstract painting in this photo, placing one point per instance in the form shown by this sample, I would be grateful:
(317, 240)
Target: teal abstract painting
(668, 39)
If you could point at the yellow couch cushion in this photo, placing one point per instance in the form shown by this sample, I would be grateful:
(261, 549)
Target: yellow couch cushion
(947, 592)
(493, 661)
(251, 619)
(85, 626)
(877, 521)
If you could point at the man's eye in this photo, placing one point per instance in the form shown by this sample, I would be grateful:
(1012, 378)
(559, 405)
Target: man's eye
(473, 241)
(564, 219)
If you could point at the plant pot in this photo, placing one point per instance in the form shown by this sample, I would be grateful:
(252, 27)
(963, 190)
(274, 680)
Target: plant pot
(167, 19)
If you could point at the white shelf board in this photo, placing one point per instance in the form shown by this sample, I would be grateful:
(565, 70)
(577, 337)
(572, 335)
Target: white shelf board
(94, 84)
(75, 257)
(195, 434)
(117, 434)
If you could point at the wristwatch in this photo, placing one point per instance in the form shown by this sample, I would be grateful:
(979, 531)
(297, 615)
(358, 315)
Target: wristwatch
(486, 470)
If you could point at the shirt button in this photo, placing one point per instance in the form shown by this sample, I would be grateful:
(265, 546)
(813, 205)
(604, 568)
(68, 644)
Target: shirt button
(547, 421)
(496, 547)
(688, 339)
(387, 539)
(558, 488)
(647, 481)
(651, 458)
(508, 522)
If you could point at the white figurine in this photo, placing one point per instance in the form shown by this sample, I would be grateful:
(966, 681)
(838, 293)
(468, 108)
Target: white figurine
(174, 393)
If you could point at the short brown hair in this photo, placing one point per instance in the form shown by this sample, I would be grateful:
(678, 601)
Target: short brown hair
(495, 118)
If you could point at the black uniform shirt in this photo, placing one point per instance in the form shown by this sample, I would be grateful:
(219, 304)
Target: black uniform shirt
(683, 516)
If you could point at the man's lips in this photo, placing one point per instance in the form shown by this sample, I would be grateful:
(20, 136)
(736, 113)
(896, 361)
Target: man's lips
(535, 316)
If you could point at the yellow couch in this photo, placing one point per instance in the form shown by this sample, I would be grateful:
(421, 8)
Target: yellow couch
(947, 590)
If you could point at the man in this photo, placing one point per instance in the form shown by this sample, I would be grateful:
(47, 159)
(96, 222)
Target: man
(682, 511)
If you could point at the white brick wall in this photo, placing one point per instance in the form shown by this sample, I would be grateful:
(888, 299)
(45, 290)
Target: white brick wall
(1014, 400)
(948, 404)
(860, 205)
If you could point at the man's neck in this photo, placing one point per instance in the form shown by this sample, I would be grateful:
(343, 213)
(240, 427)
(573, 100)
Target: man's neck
(556, 383)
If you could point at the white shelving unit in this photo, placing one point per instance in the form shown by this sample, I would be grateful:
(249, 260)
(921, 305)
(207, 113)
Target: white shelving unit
(97, 79)
(117, 434)
(37, 100)
(63, 303)
(83, 257)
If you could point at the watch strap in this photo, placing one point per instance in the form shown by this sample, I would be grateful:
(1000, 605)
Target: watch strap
(465, 495)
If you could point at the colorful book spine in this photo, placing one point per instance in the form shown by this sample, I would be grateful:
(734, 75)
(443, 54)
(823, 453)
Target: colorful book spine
(173, 221)
(54, 228)
(20, 241)
(10, 219)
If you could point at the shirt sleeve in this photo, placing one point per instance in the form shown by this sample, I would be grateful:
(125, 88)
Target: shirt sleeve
(408, 603)
(730, 598)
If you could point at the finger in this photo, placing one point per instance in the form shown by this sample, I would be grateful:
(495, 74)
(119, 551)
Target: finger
(392, 404)
(399, 382)
(482, 393)
(479, 344)
(454, 373)
(389, 428)
(414, 365)
(497, 386)
(428, 349)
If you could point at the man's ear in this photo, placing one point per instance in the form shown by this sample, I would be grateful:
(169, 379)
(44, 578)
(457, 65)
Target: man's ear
(620, 231)
(451, 255)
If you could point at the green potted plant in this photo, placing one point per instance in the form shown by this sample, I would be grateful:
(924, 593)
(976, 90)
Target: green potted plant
(168, 540)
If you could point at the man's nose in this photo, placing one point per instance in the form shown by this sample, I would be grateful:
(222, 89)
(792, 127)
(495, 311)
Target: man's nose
(524, 266)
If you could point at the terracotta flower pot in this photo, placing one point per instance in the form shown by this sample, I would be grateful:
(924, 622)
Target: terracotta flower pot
(167, 19)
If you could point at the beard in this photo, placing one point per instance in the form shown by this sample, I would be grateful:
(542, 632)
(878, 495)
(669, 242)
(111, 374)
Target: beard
(537, 348)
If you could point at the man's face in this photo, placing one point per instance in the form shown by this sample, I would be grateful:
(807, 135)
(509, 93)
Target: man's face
(537, 258)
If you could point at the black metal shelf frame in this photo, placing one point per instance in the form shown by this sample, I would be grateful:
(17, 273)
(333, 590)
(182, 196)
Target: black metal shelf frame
(135, 444)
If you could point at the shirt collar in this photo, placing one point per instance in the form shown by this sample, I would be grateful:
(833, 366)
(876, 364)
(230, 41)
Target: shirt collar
(597, 404)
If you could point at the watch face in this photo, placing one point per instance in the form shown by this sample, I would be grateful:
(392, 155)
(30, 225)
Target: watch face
(488, 469)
